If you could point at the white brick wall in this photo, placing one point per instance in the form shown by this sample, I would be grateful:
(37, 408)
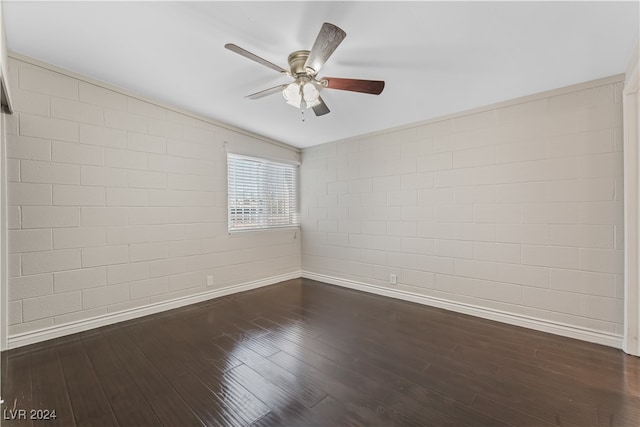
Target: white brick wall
(516, 208)
(115, 203)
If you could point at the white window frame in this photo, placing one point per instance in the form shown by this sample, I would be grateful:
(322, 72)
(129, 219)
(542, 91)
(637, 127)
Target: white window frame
(278, 172)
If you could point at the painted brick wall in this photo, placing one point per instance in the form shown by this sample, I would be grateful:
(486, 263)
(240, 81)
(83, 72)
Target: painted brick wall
(517, 208)
(115, 203)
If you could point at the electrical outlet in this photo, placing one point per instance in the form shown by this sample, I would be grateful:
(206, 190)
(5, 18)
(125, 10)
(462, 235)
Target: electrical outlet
(393, 279)
(209, 280)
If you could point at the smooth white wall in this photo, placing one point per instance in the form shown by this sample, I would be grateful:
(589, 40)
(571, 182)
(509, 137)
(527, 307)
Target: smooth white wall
(3, 236)
(117, 204)
(515, 208)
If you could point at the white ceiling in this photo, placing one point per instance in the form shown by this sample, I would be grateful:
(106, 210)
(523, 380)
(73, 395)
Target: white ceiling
(436, 57)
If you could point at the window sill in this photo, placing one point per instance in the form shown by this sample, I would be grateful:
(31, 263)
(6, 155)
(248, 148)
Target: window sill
(266, 229)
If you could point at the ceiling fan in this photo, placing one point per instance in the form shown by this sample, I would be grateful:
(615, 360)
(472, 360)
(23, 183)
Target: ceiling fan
(304, 66)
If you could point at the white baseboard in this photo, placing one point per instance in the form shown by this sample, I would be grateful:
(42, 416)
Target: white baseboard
(32, 337)
(584, 334)
(598, 337)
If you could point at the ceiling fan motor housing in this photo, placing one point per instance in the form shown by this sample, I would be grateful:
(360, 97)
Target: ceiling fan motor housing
(297, 60)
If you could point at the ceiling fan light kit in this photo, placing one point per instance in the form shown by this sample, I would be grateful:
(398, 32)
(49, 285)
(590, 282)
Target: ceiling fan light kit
(296, 92)
(304, 65)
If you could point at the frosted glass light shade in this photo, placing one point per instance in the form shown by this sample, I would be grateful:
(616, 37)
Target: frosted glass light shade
(310, 93)
(292, 94)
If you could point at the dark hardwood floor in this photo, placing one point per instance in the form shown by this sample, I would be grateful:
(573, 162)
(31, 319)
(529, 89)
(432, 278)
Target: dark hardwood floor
(302, 353)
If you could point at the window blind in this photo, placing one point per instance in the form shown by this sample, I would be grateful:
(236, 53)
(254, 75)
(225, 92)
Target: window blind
(262, 193)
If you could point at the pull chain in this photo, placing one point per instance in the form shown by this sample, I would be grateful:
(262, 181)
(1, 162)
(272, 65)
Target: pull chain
(303, 103)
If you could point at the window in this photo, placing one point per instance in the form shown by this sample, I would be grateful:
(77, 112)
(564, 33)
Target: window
(262, 193)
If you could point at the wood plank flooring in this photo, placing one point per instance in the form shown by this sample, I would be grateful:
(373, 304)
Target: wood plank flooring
(303, 353)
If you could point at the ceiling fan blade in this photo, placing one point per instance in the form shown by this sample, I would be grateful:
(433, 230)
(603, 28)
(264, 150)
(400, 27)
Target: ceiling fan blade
(321, 109)
(267, 92)
(327, 41)
(373, 87)
(240, 51)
